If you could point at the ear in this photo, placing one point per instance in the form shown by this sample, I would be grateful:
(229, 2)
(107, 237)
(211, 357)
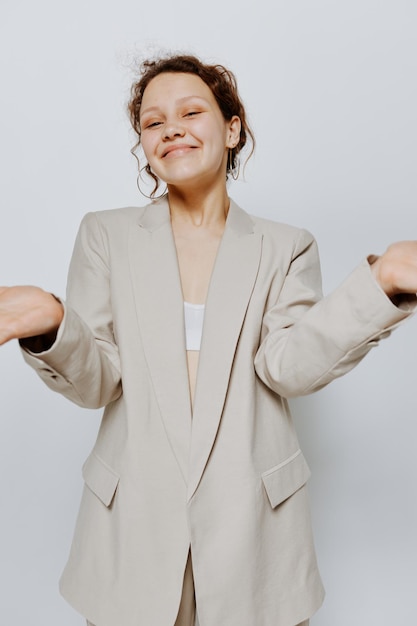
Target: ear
(233, 132)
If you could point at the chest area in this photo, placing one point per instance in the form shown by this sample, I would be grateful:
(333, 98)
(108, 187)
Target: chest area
(196, 256)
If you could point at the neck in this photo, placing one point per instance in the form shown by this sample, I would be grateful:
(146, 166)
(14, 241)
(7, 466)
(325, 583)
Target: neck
(200, 209)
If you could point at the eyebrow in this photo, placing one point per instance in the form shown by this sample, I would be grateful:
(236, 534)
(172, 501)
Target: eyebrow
(179, 101)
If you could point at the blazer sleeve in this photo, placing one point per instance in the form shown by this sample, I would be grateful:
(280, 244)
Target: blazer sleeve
(308, 341)
(83, 364)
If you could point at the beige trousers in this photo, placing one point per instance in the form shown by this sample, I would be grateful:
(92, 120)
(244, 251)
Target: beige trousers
(186, 613)
(306, 623)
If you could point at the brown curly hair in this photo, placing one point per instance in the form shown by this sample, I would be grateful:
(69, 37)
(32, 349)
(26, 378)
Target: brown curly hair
(222, 84)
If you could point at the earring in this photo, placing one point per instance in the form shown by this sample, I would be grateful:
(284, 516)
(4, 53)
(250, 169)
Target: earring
(147, 169)
(139, 177)
(233, 164)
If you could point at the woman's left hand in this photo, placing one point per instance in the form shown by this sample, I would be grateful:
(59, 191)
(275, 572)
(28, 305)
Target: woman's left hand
(396, 269)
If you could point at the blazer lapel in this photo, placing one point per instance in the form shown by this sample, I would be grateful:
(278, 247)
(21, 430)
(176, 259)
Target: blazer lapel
(231, 286)
(160, 311)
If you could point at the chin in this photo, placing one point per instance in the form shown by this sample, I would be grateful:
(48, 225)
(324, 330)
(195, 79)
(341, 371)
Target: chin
(183, 178)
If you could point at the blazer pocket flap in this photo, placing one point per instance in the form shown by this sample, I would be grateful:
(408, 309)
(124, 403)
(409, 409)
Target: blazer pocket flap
(100, 478)
(286, 478)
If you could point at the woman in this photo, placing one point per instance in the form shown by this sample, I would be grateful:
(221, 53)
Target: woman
(195, 489)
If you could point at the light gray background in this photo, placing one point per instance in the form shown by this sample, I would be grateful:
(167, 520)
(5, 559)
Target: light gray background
(330, 88)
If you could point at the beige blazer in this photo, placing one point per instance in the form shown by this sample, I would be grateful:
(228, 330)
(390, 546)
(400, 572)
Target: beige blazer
(229, 480)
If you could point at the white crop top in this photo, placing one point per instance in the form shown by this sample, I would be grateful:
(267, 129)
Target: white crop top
(194, 318)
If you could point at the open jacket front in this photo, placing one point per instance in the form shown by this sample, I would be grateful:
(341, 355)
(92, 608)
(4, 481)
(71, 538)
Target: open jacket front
(227, 480)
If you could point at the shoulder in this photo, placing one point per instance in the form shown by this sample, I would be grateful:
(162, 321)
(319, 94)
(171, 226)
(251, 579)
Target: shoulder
(149, 217)
(279, 234)
(101, 231)
(114, 217)
(111, 225)
(276, 228)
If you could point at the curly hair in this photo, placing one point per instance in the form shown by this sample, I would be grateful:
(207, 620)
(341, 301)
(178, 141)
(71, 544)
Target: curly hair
(222, 84)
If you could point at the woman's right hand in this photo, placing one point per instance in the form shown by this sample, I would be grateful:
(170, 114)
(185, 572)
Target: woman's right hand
(31, 314)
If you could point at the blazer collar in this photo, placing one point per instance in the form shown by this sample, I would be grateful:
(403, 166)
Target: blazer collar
(157, 214)
(160, 312)
(159, 303)
(231, 286)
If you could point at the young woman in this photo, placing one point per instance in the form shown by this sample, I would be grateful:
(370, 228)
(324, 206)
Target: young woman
(195, 489)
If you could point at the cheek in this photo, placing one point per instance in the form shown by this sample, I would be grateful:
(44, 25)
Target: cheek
(145, 144)
(149, 142)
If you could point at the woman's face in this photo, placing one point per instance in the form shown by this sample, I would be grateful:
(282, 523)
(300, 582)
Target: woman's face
(183, 132)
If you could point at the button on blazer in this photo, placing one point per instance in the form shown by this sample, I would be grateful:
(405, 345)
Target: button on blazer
(228, 480)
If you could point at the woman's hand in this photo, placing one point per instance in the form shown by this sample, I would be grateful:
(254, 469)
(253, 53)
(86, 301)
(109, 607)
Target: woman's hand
(396, 269)
(29, 312)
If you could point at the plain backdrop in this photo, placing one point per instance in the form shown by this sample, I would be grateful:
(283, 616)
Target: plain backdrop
(330, 88)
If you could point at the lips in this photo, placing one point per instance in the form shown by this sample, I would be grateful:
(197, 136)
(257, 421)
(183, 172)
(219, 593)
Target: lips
(177, 149)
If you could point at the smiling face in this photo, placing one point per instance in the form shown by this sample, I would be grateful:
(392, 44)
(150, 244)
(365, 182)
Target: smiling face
(183, 132)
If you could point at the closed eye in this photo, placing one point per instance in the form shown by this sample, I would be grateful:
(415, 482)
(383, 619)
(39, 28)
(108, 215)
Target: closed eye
(192, 113)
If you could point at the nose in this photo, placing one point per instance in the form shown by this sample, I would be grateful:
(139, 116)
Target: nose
(173, 128)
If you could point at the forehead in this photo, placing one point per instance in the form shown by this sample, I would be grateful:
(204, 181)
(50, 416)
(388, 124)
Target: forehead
(173, 86)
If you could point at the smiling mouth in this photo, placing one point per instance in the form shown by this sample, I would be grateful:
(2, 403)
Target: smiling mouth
(178, 150)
